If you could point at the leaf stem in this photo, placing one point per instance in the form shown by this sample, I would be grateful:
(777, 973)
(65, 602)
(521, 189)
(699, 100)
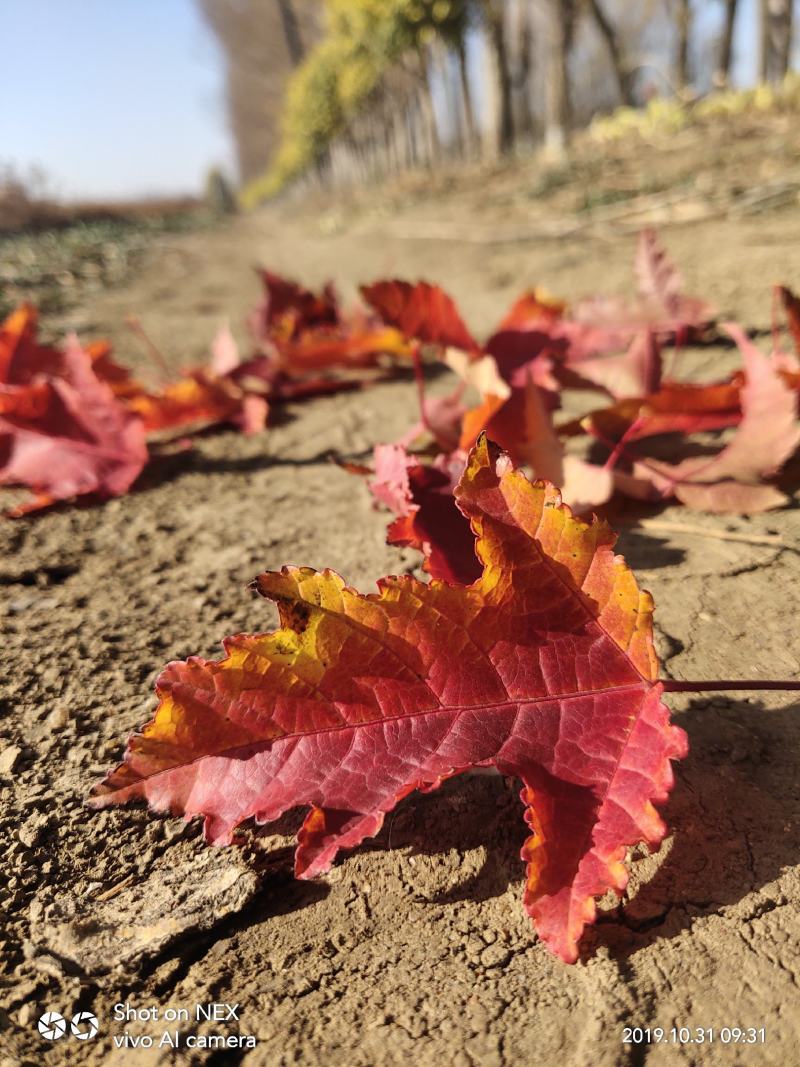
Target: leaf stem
(672, 685)
(619, 447)
(419, 377)
(135, 326)
(776, 335)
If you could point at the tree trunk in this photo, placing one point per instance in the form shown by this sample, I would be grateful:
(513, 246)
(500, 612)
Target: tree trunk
(616, 53)
(440, 54)
(291, 31)
(763, 41)
(495, 18)
(557, 95)
(520, 34)
(684, 26)
(776, 39)
(785, 53)
(527, 119)
(725, 59)
(470, 137)
(430, 129)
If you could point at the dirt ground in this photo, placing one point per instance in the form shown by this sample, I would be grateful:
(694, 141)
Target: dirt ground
(414, 948)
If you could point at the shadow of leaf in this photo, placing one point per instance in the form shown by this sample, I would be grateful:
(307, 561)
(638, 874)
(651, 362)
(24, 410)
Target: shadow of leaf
(644, 551)
(735, 816)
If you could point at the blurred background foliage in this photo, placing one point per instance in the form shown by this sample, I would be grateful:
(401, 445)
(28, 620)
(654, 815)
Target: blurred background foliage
(338, 93)
(335, 94)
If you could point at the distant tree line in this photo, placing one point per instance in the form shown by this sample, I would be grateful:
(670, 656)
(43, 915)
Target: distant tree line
(347, 90)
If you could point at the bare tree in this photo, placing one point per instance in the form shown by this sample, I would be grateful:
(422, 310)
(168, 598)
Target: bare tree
(617, 52)
(725, 56)
(521, 38)
(549, 64)
(776, 23)
(558, 109)
(425, 104)
(495, 11)
(470, 129)
(291, 31)
(683, 20)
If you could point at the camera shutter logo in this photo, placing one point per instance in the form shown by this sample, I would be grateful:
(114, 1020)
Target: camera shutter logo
(52, 1025)
(84, 1025)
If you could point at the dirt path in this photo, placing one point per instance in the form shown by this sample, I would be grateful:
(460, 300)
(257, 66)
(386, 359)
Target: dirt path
(415, 948)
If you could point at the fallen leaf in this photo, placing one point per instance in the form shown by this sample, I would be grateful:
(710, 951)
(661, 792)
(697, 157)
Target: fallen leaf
(301, 331)
(499, 419)
(767, 435)
(729, 497)
(350, 346)
(544, 668)
(225, 356)
(678, 407)
(77, 437)
(199, 399)
(657, 277)
(441, 418)
(122, 382)
(25, 401)
(791, 305)
(731, 480)
(660, 305)
(288, 308)
(22, 358)
(586, 485)
(523, 354)
(422, 312)
(505, 376)
(427, 516)
(535, 308)
(481, 374)
(634, 373)
(522, 425)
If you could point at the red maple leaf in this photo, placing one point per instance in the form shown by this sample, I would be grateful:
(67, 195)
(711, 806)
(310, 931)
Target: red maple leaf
(421, 311)
(427, 516)
(300, 331)
(122, 382)
(543, 668)
(633, 373)
(289, 308)
(534, 308)
(199, 398)
(66, 434)
(228, 390)
(523, 426)
(731, 480)
(660, 282)
(352, 345)
(678, 407)
(22, 357)
(660, 304)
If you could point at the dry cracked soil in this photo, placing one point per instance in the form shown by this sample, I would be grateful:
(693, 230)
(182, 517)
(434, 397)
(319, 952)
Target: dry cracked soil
(415, 947)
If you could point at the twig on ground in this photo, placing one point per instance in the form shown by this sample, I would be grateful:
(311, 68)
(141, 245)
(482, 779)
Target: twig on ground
(108, 894)
(774, 540)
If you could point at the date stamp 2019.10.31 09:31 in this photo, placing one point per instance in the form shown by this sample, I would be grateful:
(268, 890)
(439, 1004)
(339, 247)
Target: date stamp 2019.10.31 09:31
(694, 1035)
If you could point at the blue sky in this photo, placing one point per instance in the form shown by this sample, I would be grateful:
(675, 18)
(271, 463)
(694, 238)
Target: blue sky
(111, 97)
(116, 98)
